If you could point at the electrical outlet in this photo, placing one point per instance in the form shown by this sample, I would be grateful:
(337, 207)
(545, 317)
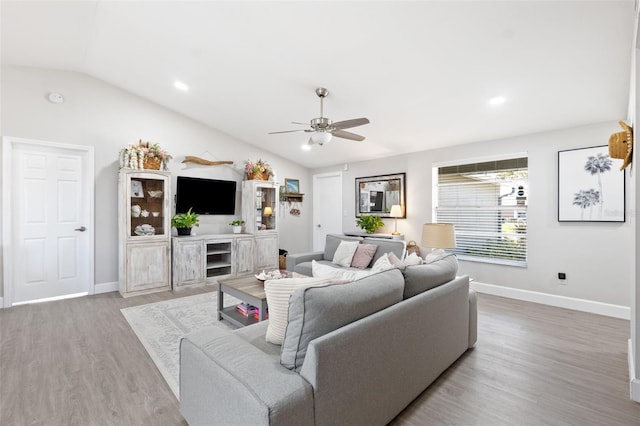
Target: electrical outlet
(562, 278)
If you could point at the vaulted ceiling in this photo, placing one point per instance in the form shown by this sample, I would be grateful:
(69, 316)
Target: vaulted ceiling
(422, 72)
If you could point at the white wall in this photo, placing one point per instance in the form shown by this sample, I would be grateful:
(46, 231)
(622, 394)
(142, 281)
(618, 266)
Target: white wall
(634, 115)
(595, 256)
(96, 113)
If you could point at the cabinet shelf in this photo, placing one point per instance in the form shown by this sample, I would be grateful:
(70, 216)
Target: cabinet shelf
(209, 252)
(217, 264)
(236, 318)
(292, 197)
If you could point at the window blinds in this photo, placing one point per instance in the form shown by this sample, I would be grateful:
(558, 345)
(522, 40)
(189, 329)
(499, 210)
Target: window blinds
(487, 203)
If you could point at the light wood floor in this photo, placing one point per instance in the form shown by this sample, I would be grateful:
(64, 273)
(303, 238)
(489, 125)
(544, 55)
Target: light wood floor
(77, 362)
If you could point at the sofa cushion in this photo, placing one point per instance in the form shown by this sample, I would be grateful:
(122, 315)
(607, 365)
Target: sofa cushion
(344, 253)
(397, 247)
(332, 241)
(394, 260)
(314, 312)
(278, 292)
(363, 255)
(382, 264)
(419, 278)
(324, 270)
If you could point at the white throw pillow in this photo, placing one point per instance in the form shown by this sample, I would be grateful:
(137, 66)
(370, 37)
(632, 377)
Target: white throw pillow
(278, 292)
(382, 264)
(435, 255)
(320, 270)
(344, 253)
(412, 259)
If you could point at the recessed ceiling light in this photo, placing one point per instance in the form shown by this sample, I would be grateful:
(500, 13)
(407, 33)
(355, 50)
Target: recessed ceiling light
(306, 147)
(180, 85)
(497, 100)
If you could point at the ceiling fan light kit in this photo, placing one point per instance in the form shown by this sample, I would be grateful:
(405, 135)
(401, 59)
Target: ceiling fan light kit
(321, 137)
(323, 129)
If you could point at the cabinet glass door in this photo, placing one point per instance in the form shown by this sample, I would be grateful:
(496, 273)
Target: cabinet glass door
(265, 208)
(147, 203)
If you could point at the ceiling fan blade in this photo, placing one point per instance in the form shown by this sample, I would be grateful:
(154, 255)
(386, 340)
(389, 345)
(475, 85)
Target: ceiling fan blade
(347, 135)
(288, 131)
(346, 124)
(297, 122)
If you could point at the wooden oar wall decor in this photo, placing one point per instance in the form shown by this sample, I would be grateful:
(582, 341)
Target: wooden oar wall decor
(202, 161)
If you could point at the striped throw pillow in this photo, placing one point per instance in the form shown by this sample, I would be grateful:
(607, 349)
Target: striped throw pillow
(278, 293)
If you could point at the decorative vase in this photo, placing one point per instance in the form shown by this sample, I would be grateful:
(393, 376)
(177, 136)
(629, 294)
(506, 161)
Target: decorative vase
(184, 231)
(237, 229)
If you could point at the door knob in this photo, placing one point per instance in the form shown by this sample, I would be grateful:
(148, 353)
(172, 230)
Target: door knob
(81, 229)
(319, 226)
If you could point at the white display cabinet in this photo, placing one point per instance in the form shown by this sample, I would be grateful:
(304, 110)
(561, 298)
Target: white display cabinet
(260, 206)
(144, 231)
(260, 213)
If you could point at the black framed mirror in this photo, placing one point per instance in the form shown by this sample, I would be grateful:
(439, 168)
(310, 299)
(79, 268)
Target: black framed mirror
(376, 194)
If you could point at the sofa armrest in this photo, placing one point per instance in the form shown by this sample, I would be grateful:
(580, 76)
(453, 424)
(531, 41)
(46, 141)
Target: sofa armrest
(404, 347)
(473, 318)
(226, 380)
(294, 259)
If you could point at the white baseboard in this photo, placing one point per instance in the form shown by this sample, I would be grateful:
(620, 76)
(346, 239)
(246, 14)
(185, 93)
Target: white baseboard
(634, 382)
(98, 289)
(105, 287)
(616, 311)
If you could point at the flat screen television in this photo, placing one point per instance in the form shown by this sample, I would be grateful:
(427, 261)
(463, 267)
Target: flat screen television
(205, 196)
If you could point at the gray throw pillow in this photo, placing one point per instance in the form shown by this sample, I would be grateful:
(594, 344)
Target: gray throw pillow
(314, 312)
(419, 278)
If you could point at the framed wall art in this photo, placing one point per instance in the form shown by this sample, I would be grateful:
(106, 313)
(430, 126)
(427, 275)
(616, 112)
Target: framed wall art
(375, 195)
(590, 186)
(136, 189)
(292, 185)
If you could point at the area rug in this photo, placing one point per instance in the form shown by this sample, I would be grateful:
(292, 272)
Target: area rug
(161, 325)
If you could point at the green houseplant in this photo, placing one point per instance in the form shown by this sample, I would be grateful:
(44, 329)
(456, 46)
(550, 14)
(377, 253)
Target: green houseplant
(237, 226)
(185, 221)
(370, 223)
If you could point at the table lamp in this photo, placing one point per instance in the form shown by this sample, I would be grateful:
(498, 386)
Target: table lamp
(396, 212)
(438, 236)
(268, 211)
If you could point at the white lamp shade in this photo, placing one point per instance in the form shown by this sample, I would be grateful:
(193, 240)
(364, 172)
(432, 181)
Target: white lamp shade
(321, 137)
(268, 211)
(438, 235)
(396, 211)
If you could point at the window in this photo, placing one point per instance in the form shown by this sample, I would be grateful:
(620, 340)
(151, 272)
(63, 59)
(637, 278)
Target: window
(487, 203)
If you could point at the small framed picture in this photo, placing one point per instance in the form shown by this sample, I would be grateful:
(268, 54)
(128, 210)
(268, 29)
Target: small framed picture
(292, 185)
(136, 189)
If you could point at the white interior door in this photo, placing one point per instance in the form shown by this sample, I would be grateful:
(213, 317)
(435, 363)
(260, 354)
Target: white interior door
(327, 207)
(47, 220)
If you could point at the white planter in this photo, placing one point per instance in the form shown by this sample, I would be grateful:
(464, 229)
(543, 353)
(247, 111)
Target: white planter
(237, 229)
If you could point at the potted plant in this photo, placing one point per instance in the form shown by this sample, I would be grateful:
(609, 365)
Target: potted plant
(370, 223)
(183, 222)
(236, 225)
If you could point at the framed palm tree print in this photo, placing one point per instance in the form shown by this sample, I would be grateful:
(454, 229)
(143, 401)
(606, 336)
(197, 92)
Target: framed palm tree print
(590, 186)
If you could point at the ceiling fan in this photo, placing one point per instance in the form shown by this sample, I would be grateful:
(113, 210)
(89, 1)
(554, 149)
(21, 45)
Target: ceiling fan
(323, 129)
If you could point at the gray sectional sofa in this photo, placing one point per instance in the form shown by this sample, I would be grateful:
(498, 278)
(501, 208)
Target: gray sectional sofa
(301, 262)
(357, 353)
